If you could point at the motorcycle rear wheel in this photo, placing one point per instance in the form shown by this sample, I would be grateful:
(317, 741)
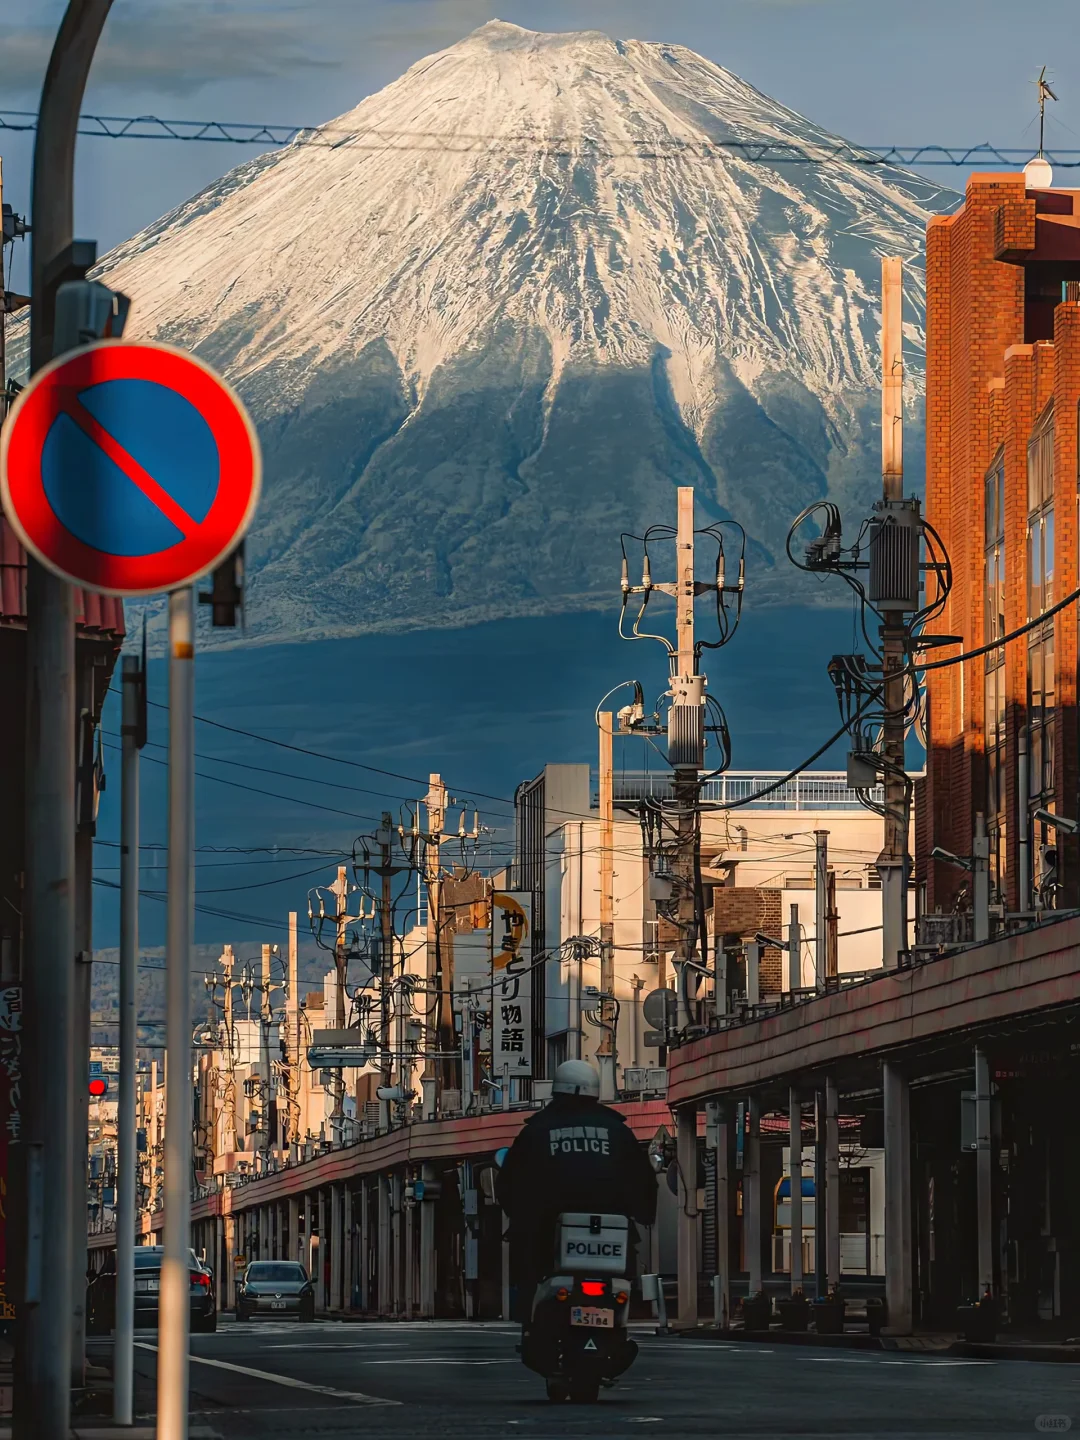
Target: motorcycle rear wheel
(584, 1392)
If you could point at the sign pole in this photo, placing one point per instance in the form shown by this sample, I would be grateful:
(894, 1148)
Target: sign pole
(44, 1200)
(173, 1330)
(133, 736)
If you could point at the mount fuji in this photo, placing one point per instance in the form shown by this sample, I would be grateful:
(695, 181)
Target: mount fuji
(493, 316)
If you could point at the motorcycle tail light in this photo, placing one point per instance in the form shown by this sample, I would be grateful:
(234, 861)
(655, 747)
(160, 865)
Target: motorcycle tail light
(592, 1287)
(621, 1298)
(562, 1293)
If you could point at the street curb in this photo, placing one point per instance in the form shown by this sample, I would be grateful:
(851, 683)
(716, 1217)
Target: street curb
(1051, 1354)
(967, 1349)
(788, 1337)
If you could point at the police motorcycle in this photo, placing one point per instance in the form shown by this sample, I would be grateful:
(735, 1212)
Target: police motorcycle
(577, 1336)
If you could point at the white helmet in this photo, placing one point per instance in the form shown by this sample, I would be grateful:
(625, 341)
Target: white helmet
(576, 1077)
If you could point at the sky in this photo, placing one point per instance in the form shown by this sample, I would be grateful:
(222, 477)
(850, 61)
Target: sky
(951, 72)
(927, 71)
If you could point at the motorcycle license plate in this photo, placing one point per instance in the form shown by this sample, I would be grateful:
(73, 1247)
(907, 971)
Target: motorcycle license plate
(592, 1315)
(277, 1304)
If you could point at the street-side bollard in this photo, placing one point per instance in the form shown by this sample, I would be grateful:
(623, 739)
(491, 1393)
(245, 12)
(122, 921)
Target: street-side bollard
(652, 1288)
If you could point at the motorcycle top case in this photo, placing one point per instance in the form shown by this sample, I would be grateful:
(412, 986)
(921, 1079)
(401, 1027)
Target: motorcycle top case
(597, 1243)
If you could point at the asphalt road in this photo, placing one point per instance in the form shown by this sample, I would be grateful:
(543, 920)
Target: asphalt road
(403, 1381)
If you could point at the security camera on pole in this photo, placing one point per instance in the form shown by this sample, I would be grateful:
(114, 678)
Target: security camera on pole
(133, 469)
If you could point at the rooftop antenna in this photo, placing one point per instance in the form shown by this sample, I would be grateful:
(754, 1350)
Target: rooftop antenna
(1038, 174)
(1045, 93)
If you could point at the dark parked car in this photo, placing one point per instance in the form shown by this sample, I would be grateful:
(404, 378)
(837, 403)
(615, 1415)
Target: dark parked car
(275, 1287)
(101, 1292)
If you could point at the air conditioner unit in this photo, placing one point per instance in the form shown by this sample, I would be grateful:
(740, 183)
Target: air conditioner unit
(634, 1078)
(656, 1080)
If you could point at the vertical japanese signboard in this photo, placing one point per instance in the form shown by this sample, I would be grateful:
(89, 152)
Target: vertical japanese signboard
(512, 977)
(10, 1122)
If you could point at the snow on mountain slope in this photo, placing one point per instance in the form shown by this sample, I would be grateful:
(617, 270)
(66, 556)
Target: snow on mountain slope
(492, 316)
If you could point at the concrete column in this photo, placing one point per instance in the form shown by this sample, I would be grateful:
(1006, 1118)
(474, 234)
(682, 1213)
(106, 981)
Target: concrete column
(897, 1200)
(305, 1254)
(365, 1247)
(321, 1252)
(505, 1314)
(427, 1249)
(832, 1184)
(337, 1236)
(293, 1243)
(723, 1211)
(795, 1168)
(264, 1233)
(752, 1197)
(410, 1260)
(984, 1173)
(228, 1285)
(384, 1249)
(820, 1196)
(398, 1282)
(348, 1261)
(688, 1262)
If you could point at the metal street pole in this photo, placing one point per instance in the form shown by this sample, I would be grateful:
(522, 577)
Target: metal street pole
(606, 1052)
(42, 1369)
(133, 736)
(893, 860)
(173, 1327)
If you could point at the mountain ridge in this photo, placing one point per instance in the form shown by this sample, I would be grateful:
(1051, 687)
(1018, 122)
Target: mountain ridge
(499, 311)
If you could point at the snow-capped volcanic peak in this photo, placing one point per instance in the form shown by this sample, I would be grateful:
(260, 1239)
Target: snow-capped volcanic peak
(560, 179)
(491, 314)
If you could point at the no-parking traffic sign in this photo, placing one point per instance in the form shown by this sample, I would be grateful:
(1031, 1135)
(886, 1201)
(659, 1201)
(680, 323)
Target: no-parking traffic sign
(129, 467)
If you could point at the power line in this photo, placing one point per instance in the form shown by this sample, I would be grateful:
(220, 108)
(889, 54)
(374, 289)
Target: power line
(254, 790)
(773, 152)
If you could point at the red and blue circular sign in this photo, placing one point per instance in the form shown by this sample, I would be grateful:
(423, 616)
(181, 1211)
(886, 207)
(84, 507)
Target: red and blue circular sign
(129, 467)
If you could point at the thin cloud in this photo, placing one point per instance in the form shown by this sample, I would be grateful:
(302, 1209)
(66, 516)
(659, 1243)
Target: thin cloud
(174, 51)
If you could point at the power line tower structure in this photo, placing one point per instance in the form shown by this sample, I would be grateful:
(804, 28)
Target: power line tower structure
(673, 825)
(339, 916)
(880, 697)
(426, 842)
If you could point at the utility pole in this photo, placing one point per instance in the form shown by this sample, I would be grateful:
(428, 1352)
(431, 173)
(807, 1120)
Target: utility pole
(440, 961)
(42, 1370)
(821, 908)
(386, 968)
(681, 817)
(265, 1017)
(226, 960)
(340, 890)
(606, 1053)
(133, 737)
(292, 1037)
(686, 751)
(894, 553)
(174, 1311)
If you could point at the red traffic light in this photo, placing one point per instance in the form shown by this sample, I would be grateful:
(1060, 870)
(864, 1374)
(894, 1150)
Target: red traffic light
(98, 1087)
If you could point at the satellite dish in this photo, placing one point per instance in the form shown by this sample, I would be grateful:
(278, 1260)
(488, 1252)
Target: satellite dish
(660, 1008)
(1038, 174)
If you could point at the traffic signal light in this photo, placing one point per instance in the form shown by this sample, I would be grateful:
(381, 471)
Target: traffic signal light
(99, 1086)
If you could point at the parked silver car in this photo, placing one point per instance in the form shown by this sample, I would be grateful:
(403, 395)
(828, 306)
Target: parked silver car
(275, 1287)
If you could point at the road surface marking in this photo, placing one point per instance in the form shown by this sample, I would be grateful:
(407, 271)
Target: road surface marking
(439, 1360)
(356, 1396)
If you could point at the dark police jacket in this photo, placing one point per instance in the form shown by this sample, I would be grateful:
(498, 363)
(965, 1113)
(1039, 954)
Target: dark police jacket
(575, 1154)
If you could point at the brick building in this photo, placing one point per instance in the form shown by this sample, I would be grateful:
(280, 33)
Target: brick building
(1003, 386)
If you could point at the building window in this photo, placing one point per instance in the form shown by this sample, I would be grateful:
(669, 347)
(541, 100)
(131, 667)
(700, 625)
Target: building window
(1040, 470)
(994, 664)
(1041, 672)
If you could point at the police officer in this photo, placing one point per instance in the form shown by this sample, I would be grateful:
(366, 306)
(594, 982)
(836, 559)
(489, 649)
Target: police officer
(574, 1155)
